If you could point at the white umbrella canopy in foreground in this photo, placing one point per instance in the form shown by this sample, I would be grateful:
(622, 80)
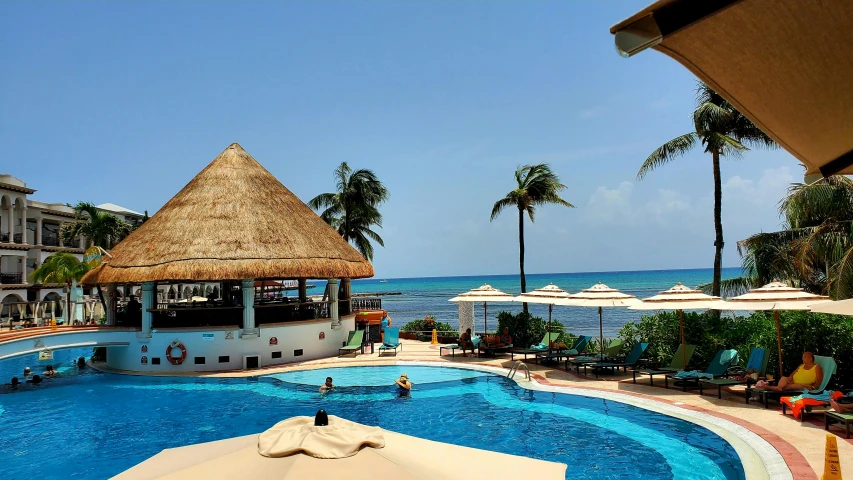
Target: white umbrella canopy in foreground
(678, 298)
(298, 449)
(547, 295)
(600, 296)
(775, 296)
(484, 294)
(841, 307)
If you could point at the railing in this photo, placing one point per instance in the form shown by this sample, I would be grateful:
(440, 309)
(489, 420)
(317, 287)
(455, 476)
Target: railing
(18, 238)
(290, 312)
(50, 240)
(15, 278)
(516, 367)
(4, 238)
(366, 303)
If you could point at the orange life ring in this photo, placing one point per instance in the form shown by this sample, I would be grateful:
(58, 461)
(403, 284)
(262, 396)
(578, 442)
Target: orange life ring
(176, 360)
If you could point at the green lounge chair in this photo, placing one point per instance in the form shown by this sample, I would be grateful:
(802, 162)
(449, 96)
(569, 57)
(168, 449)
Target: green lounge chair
(675, 365)
(717, 368)
(546, 340)
(844, 419)
(353, 343)
(578, 347)
(757, 363)
(630, 360)
(827, 364)
(391, 342)
(614, 349)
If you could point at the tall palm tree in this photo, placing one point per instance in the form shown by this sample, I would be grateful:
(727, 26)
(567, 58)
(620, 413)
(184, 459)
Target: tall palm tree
(61, 268)
(536, 185)
(722, 131)
(354, 208)
(99, 228)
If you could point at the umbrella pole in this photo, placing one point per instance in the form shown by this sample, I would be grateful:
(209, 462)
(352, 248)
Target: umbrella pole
(485, 317)
(683, 347)
(779, 341)
(601, 333)
(548, 333)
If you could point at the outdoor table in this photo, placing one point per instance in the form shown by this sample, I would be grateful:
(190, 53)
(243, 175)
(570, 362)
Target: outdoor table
(846, 419)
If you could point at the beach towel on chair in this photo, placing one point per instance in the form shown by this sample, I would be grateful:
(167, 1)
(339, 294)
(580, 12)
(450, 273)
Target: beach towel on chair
(798, 403)
(728, 356)
(692, 374)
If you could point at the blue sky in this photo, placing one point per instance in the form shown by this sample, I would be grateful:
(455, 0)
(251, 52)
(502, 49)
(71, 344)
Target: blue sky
(125, 102)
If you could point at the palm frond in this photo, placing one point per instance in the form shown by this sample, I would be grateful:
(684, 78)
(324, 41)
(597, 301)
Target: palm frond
(668, 152)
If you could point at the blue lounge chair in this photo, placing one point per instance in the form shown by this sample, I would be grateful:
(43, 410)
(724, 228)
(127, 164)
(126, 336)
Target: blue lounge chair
(677, 363)
(536, 349)
(757, 363)
(630, 360)
(576, 349)
(391, 341)
(717, 368)
(827, 364)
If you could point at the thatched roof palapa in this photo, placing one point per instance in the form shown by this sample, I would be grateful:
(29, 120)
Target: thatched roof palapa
(233, 221)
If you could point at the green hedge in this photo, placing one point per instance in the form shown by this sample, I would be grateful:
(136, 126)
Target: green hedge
(829, 335)
(427, 324)
(527, 330)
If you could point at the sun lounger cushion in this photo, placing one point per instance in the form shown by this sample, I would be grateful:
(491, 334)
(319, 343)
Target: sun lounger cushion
(692, 374)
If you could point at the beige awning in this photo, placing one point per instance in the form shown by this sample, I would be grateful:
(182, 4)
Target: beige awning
(296, 449)
(786, 65)
(841, 307)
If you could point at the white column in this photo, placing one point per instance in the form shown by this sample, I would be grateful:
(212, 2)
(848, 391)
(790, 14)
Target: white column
(466, 317)
(59, 233)
(148, 289)
(38, 231)
(333, 298)
(111, 304)
(82, 241)
(12, 223)
(346, 295)
(24, 225)
(249, 330)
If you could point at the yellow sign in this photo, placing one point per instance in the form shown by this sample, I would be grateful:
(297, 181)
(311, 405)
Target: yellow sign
(46, 355)
(434, 337)
(92, 257)
(831, 462)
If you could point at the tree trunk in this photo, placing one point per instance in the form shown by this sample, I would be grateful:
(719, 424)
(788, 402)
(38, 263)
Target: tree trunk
(521, 254)
(718, 225)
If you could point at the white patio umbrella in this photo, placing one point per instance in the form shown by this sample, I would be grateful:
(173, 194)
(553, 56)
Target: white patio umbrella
(484, 294)
(296, 448)
(678, 298)
(840, 307)
(547, 295)
(600, 296)
(775, 296)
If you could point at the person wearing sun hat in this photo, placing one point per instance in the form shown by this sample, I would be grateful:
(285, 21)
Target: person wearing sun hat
(403, 382)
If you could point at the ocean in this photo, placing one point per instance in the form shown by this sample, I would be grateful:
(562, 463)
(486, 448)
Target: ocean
(430, 296)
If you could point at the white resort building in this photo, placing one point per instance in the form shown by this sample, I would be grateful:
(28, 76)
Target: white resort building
(29, 233)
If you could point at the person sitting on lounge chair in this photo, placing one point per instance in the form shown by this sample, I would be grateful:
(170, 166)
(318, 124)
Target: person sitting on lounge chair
(465, 342)
(806, 377)
(505, 339)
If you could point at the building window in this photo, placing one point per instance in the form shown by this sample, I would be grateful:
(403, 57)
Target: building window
(276, 354)
(224, 359)
(199, 360)
(297, 353)
(155, 360)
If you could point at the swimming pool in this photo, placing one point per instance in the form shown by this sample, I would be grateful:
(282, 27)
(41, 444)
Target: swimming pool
(96, 425)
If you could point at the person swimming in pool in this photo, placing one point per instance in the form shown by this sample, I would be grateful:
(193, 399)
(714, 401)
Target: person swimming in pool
(328, 386)
(403, 382)
(49, 371)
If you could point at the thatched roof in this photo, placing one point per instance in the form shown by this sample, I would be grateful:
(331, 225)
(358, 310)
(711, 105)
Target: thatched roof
(233, 221)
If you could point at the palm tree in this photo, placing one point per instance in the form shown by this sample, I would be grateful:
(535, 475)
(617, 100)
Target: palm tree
(61, 268)
(353, 209)
(100, 228)
(536, 185)
(722, 131)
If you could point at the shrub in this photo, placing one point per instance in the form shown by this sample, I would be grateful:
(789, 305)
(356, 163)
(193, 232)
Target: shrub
(427, 324)
(828, 335)
(527, 330)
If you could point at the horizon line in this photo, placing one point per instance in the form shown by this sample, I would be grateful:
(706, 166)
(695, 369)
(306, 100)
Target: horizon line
(375, 277)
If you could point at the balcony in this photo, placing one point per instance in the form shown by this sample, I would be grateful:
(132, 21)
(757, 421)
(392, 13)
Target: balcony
(50, 240)
(16, 238)
(11, 278)
(366, 303)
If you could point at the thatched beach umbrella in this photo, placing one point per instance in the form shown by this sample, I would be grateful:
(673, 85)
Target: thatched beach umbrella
(775, 297)
(299, 448)
(784, 65)
(678, 298)
(484, 294)
(600, 296)
(233, 221)
(547, 295)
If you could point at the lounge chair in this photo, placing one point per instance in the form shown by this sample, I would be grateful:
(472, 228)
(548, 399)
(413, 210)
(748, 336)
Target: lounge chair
(391, 341)
(757, 363)
(677, 363)
(488, 346)
(844, 419)
(827, 364)
(576, 349)
(544, 345)
(717, 368)
(808, 404)
(455, 346)
(630, 360)
(353, 343)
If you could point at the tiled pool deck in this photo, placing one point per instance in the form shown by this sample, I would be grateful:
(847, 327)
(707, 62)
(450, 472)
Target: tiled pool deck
(800, 444)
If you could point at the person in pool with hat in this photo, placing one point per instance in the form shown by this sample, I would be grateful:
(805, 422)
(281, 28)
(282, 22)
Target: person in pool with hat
(403, 382)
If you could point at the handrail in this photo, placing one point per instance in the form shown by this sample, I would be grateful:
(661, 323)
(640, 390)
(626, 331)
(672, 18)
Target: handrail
(515, 367)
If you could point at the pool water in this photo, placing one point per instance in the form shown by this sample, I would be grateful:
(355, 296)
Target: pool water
(95, 425)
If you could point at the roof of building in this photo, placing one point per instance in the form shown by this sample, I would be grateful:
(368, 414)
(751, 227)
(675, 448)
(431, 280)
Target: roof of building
(233, 221)
(112, 207)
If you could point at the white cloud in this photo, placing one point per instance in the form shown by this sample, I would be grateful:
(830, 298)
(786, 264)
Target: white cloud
(767, 191)
(610, 206)
(617, 206)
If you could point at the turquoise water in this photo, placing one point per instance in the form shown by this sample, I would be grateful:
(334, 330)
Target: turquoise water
(429, 296)
(95, 425)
